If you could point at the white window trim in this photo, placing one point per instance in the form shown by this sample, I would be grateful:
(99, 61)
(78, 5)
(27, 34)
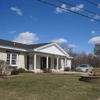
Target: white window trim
(64, 63)
(11, 59)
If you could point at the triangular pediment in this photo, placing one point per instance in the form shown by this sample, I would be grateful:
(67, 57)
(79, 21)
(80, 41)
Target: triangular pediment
(52, 49)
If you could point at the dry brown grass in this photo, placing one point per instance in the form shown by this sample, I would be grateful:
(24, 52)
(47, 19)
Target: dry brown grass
(96, 70)
(47, 87)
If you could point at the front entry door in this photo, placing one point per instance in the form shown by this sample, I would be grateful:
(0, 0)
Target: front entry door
(30, 63)
(49, 63)
(43, 63)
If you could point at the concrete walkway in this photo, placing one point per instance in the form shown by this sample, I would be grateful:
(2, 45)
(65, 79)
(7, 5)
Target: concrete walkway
(68, 72)
(65, 72)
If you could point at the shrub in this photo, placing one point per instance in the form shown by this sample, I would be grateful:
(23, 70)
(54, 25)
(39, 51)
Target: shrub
(27, 71)
(47, 70)
(4, 68)
(15, 72)
(66, 68)
(21, 70)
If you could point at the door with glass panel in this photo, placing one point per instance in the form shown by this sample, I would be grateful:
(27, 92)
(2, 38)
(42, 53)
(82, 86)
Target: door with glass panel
(30, 63)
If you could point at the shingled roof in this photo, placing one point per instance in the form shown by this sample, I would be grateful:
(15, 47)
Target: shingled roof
(20, 45)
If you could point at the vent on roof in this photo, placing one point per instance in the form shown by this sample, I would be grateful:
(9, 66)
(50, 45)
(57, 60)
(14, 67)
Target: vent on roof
(14, 43)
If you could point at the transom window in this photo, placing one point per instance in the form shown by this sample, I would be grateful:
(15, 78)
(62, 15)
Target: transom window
(12, 59)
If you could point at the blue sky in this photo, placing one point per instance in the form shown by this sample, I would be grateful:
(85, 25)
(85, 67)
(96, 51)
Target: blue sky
(30, 21)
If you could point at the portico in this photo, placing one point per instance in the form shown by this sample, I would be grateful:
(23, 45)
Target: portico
(44, 61)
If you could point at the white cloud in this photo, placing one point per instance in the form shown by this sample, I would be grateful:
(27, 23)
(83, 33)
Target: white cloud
(77, 8)
(94, 40)
(98, 5)
(94, 17)
(12, 32)
(93, 32)
(72, 45)
(33, 18)
(61, 40)
(26, 38)
(60, 10)
(16, 10)
(98, 32)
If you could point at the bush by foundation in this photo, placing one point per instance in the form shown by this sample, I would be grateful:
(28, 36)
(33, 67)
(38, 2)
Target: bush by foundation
(19, 70)
(47, 70)
(66, 68)
(15, 72)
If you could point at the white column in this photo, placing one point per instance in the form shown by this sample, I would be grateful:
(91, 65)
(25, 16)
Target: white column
(47, 62)
(57, 63)
(65, 62)
(34, 62)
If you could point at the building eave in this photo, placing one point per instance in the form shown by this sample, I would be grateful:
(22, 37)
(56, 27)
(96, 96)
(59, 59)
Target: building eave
(12, 48)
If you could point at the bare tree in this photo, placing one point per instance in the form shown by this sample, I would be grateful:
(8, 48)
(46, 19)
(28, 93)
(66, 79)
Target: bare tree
(81, 57)
(69, 50)
(4, 69)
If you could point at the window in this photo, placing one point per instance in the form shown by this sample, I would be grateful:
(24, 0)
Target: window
(12, 59)
(55, 63)
(30, 60)
(64, 62)
(83, 65)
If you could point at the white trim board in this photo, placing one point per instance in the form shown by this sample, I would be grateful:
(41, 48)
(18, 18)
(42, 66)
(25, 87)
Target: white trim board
(52, 48)
(12, 48)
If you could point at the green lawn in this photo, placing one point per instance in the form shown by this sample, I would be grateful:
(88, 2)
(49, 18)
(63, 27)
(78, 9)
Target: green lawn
(47, 87)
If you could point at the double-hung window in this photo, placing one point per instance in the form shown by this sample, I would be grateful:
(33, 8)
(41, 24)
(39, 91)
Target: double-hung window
(64, 62)
(12, 59)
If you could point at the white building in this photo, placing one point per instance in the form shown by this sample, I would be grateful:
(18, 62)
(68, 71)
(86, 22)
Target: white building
(97, 50)
(34, 57)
